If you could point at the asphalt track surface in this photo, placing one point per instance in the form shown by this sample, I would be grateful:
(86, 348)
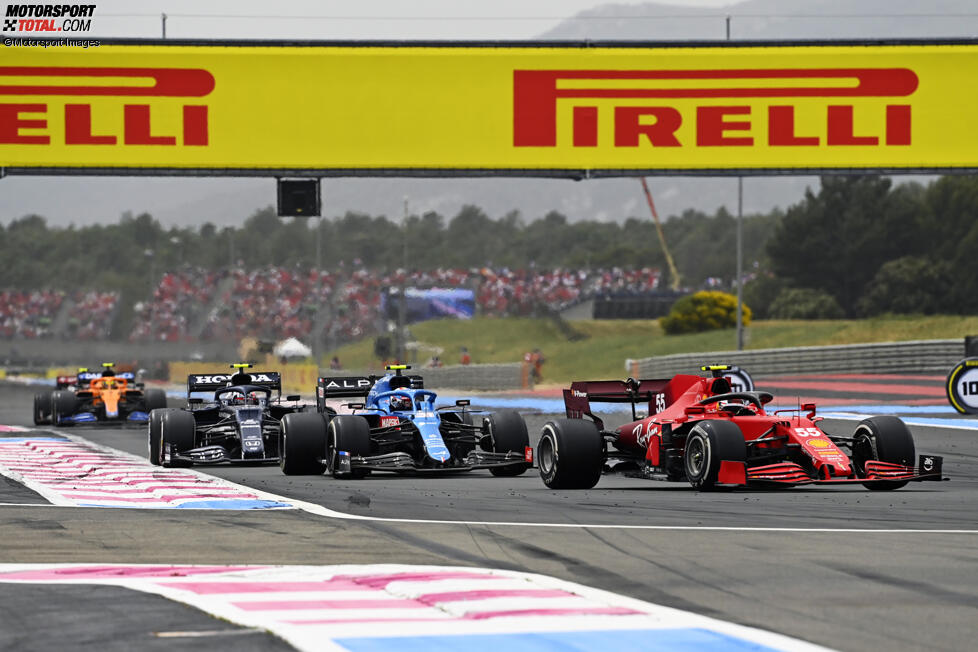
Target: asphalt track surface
(842, 567)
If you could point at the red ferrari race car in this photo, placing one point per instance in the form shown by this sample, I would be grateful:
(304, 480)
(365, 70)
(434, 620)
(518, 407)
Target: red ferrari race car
(698, 430)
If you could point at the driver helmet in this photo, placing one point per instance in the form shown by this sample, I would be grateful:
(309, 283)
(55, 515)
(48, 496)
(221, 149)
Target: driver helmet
(400, 402)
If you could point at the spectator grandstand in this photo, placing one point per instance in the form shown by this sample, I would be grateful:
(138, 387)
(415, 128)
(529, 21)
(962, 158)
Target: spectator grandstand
(276, 302)
(28, 314)
(91, 315)
(177, 302)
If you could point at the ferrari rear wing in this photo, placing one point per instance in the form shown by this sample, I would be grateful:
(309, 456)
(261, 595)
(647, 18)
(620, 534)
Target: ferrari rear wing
(578, 399)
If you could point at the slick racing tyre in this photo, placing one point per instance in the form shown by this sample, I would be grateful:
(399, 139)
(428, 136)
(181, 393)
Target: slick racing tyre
(179, 430)
(709, 443)
(42, 408)
(155, 399)
(63, 405)
(350, 433)
(507, 432)
(155, 437)
(303, 444)
(570, 454)
(886, 439)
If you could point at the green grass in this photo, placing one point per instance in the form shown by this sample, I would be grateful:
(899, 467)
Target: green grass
(610, 342)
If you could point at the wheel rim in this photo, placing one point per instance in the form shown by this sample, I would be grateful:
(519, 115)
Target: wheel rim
(695, 457)
(547, 454)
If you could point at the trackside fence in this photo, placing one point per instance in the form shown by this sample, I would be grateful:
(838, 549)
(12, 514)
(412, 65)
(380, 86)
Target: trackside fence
(920, 356)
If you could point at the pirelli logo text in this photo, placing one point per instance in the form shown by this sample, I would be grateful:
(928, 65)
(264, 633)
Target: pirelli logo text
(757, 107)
(61, 110)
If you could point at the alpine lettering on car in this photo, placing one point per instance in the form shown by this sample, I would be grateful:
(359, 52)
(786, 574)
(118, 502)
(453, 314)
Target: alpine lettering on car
(346, 384)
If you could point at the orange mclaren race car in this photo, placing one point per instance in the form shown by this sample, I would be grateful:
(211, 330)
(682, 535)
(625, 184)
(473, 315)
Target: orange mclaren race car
(103, 397)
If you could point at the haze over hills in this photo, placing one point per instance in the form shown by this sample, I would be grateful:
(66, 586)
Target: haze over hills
(84, 200)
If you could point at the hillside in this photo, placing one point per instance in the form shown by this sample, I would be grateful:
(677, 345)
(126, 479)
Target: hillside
(602, 354)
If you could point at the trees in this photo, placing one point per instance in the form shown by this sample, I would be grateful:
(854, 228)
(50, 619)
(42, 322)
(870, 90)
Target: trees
(836, 241)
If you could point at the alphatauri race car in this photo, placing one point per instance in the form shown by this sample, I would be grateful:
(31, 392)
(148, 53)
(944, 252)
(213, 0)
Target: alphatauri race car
(97, 397)
(398, 428)
(237, 420)
(698, 430)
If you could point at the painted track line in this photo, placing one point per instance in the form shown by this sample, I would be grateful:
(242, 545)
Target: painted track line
(71, 471)
(449, 607)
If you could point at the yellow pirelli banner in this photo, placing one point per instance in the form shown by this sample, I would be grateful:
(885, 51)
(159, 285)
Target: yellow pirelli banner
(435, 109)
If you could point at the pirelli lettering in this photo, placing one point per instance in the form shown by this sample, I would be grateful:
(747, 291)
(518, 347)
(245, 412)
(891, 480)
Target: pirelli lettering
(536, 94)
(27, 123)
(529, 109)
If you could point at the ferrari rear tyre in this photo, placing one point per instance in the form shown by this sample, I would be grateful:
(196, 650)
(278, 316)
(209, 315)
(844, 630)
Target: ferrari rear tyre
(350, 433)
(570, 454)
(63, 405)
(42, 408)
(709, 443)
(507, 431)
(886, 439)
(303, 444)
(178, 431)
(155, 399)
(155, 437)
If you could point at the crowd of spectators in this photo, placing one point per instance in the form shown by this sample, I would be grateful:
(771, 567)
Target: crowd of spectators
(279, 302)
(521, 293)
(270, 302)
(177, 302)
(26, 314)
(91, 315)
(618, 281)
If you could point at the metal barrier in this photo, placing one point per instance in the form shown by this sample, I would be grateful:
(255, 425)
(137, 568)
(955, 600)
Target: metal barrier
(919, 356)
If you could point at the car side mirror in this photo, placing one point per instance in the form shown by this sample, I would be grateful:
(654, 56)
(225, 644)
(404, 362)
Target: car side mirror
(355, 406)
(463, 402)
(292, 397)
(810, 408)
(195, 401)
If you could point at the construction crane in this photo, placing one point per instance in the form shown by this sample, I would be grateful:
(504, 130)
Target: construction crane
(673, 272)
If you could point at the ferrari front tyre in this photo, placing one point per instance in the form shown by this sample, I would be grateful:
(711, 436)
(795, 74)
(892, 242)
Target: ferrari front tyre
(155, 437)
(708, 444)
(42, 409)
(303, 444)
(63, 404)
(155, 399)
(507, 431)
(349, 433)
(178, 432)
(886, 439)
(570, 454)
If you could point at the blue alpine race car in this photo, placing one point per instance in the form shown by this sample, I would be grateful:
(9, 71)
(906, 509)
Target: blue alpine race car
(398, 428)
